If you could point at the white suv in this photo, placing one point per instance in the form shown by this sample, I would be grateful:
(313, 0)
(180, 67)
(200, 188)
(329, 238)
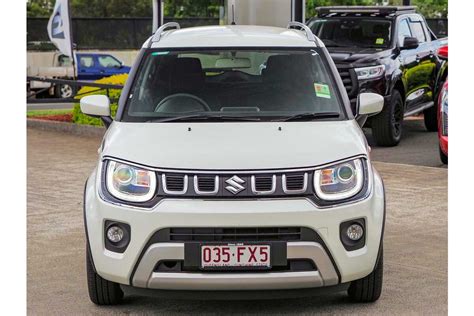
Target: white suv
(234, 165)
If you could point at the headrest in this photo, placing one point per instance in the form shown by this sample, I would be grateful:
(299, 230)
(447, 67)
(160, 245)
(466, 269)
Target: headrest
(283, 68)
(187, 74)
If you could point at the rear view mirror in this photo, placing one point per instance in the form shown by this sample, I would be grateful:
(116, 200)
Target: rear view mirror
(97, 106)
(410, 43)
(233, 63)
(370, 103)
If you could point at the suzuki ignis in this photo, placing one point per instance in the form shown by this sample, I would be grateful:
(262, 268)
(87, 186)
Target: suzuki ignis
(234, 165)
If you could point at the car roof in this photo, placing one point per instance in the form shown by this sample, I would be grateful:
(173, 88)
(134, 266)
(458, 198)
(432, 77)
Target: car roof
(232, 36)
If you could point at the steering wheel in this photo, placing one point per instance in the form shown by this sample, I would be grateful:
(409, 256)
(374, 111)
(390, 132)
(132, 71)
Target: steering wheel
(183, 95)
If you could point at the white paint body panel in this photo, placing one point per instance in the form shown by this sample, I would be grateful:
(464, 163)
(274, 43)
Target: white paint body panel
(235, 146)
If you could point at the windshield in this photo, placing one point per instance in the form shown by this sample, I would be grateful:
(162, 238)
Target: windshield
(264, 85)
(353, 32)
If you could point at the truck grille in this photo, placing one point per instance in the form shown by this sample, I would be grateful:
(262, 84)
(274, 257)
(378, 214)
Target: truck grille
(349, 80)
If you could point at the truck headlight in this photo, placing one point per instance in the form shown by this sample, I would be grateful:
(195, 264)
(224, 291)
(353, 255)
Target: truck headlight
(130, 183)
(340, 181)
(373, 72)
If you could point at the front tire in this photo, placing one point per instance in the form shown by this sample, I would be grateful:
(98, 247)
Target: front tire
(101, 291)
(64, 91)
(368, 289)
(387, 125)
(431, 118)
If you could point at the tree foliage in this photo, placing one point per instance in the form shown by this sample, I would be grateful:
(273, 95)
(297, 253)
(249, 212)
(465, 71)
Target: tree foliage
(200, 8)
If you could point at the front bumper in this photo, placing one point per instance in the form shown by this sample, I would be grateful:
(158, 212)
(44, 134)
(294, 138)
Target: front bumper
(135, 266)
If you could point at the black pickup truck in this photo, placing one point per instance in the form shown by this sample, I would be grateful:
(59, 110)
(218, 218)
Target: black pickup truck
(388, 50)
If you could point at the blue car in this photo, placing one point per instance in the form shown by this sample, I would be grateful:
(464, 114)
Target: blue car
(93, 66)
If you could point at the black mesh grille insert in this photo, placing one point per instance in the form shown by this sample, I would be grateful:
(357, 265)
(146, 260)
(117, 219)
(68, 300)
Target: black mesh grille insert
(206, 183)
(295, 182)
(263, 183)
(174, 182)
(235, 234)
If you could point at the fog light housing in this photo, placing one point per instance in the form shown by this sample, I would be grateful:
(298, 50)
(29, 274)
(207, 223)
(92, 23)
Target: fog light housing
(115, 234)
(355, 232)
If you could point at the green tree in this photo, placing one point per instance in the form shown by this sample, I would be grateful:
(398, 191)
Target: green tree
(39, 8)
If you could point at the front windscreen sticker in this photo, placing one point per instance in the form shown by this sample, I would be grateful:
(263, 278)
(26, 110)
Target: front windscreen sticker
(322, 90)
(379, 41)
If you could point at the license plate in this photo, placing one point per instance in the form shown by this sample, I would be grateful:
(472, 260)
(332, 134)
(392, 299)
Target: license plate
(235, 256)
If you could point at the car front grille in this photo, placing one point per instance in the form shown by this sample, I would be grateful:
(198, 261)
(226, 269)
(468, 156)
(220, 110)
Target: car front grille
(235, 234)
(234, 185)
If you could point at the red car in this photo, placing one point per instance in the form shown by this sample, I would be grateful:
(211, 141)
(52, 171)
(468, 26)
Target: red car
(443, 114)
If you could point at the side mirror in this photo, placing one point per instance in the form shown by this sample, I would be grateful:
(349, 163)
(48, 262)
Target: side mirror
(370, 103)
(410, 43)
(97, 106)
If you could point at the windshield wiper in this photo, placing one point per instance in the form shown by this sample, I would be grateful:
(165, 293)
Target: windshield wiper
(204, 117)
(310, 116)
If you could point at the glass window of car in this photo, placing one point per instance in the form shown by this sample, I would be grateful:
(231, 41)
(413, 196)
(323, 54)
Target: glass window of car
(403, 31)
(108, 62)
(418, 31)
(352, 32)
(259, 83)
(86, 61)
(64, 61)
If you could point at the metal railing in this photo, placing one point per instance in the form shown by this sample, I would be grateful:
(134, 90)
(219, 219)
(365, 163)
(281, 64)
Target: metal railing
(73, 83)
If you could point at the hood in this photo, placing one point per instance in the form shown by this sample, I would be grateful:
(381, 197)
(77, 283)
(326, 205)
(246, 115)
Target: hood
(356, 55)
(234, 146)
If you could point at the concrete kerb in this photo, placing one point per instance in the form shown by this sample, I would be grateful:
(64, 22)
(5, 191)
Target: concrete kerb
(65, 127)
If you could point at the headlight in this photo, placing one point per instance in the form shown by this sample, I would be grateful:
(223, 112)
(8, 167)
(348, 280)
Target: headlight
(339, 181)
(129, 183)
(370, 72)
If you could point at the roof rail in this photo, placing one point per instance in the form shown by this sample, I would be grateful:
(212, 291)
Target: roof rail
(309, 34)
(156, 37)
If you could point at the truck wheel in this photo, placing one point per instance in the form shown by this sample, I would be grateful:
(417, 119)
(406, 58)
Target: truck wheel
(101, 291)
(431, 118)
(387, 125)
(443, 157)
(64, 91)
(368, 289)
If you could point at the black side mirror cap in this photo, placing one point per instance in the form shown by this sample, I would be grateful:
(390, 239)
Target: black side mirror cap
(410, 43)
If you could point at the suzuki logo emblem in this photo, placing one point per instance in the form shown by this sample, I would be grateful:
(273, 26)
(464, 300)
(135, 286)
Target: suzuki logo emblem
(235, 185)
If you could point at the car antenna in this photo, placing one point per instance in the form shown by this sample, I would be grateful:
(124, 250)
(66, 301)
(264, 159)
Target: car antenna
(233, 13)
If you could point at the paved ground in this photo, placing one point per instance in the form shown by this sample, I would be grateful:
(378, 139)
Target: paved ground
(417, 147)
(415, 242)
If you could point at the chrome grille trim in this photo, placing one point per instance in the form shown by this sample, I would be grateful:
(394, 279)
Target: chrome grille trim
(253, 184)
(214, 192)
(171, 192)
(302, 190)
